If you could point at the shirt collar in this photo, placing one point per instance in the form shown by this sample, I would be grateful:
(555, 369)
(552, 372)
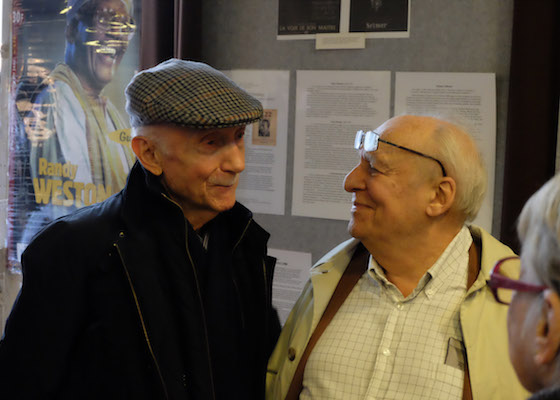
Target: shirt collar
(450, 267)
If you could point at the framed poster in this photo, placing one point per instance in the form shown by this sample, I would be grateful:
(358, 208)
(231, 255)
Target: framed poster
(69, 134)
(379, 15)
(296, 17)
(309, 19)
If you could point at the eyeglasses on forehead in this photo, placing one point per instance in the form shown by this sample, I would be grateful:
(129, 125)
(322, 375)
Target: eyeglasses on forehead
(369, 141)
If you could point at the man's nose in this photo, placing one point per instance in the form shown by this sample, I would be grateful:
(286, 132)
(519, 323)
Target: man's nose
(354, 179)
(234, 158)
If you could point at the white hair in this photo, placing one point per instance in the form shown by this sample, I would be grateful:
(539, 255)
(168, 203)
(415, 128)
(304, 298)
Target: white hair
(463, 162)
(455, 148)
(538, 228)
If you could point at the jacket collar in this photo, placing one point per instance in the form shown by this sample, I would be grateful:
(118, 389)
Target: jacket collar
(491, 251)
(329, 269)
(326, 273)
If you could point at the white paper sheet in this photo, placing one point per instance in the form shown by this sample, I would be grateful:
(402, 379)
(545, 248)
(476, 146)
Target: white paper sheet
(290, 275)
(330, 107)
(262, 187)
(467, 98)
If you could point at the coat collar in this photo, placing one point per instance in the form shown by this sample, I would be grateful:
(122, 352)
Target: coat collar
(326, 273)
(491, 251)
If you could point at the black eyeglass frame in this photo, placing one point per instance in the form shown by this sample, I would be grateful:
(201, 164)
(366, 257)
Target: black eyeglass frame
(360, 140)
(499, 281)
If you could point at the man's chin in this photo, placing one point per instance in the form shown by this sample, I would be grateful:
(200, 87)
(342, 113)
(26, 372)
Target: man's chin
(224, 205)
(352, 229)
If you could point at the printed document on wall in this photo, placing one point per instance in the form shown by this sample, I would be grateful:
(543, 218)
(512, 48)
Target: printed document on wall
(290, 275)
(468, 99)
(330, 107)
(262, 186)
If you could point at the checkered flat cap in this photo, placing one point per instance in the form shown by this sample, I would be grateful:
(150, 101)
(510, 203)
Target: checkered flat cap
(190, 94)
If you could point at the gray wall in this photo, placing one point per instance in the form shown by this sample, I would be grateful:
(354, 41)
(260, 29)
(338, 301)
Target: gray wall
(445, 36)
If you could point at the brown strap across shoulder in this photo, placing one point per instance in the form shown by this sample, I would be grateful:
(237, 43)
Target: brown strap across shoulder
(352, 274)
(474, 269)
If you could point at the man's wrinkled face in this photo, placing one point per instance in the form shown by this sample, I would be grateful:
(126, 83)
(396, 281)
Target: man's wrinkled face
(100, 41)
(201, 167)
(389, 190)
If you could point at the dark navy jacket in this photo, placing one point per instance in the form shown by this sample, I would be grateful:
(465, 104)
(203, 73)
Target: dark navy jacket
(110, 306)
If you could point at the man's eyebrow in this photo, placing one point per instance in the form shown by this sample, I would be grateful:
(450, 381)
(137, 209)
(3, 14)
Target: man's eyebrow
(211, 131)
(377, 159)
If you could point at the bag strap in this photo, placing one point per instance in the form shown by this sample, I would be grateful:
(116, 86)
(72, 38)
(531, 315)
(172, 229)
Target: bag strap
(353, 273)
(474, 269)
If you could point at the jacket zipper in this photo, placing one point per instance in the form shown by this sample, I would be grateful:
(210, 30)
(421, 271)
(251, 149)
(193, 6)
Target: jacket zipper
(268, 299)
(242, 234)
(199, 293)
(237, 291)
(146, 337)
(266, 291)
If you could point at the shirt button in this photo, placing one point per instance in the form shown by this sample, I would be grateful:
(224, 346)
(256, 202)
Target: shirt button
(399, 306)
(291, 354)
(429, 292)
(386, 352)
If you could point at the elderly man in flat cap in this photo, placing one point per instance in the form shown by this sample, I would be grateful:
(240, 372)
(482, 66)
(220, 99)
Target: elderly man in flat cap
(71, 124)
(162, 291)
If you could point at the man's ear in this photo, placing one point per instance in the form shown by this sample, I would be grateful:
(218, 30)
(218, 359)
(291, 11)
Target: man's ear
(147, 153)
(443, 196)
(548, 329)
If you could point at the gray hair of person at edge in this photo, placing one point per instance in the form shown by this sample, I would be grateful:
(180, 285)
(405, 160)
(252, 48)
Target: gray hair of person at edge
(457, 150)
(188, 94)
(538, 228)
